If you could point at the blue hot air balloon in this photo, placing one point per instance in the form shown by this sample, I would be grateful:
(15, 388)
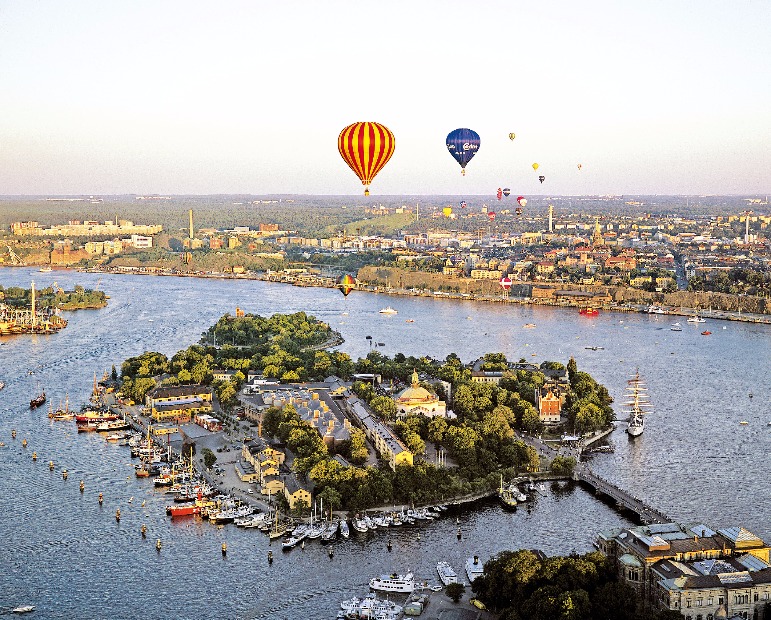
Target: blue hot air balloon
(463, 144)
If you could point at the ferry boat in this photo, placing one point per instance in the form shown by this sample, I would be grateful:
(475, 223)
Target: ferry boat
(589, 312)
(695, 319)
(394, 583)
(388, 310)
(474, 568)
(638, 403)
(656, 310)
(446, 573)
(98, 417)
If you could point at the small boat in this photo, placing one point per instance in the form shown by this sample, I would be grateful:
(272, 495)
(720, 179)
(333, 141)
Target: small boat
(446, 573)
(24, 609)
(345, 531)
(474, 568)
(2, 385)
(388, 310)
(706, 332)
(656, 310)
(676, 328)
(507, 496)
(38, 400)
(529, 325)
(589, 312)
(744, 422)
(45, 269)
(410, 321)
(696, 319)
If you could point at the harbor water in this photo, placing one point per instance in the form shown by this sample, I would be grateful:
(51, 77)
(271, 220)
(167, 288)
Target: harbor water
(67, 555)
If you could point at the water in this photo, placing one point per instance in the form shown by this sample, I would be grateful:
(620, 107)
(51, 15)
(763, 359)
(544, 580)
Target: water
(68, 556)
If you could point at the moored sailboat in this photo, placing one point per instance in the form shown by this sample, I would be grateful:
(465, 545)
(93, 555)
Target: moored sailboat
(637, 402)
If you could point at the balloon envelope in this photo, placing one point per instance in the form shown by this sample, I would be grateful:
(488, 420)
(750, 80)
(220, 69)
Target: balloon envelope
(506, 191)
(579, 166)
(542, 178)
(518, 211)
(491, 215)
(512, 136)
(366, 148)
(505, 283)
(522, 201)
(346, 284)
(535, 166)
(463, 144)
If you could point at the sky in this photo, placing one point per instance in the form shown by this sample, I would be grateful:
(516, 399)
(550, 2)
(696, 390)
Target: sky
(191, 97)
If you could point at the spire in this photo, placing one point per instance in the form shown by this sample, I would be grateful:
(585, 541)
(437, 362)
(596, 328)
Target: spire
(415, 379)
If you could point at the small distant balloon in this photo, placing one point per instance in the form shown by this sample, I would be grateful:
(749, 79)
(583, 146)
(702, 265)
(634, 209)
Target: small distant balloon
(580, 166)
(499, 193)
(346, 284)
(462, 204)
(535, 166)
(463, 144)
(522, 201)
(447, 211)
(541, 178)
(512, 136)
(506, 192)
(505, 283)
(491, 215)
(518, 210)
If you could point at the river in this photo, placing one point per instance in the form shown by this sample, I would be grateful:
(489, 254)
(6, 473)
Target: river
(66, 554)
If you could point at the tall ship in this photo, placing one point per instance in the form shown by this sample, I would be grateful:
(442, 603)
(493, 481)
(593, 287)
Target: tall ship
(638, 404)
(508, 496)
(38, 400)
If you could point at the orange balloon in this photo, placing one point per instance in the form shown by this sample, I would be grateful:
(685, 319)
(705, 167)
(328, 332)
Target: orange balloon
(366, 148)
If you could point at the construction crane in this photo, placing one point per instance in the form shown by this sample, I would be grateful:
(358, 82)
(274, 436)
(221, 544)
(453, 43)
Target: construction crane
(14, 257)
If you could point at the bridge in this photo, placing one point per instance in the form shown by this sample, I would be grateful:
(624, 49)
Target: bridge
(623, 499)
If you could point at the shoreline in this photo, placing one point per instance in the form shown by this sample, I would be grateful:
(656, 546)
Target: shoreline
(720, 315)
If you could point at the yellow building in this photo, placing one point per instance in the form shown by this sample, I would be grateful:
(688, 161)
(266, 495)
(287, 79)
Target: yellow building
(294, 494)
(418, 400)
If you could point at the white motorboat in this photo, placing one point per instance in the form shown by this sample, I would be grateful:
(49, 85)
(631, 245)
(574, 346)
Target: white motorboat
(521, 497)
(388, 310)
(446, 573)
(474, 568)
(345, 531)
(24, 609)
(696, 319)
(360, 525)
(393, 583)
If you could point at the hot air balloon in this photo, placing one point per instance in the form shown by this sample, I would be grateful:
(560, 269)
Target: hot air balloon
(518, 210)
(499, 193)
(462, 204)
(505, 283)
(512, 136)
(491, 215)
(346, 284)
(542, 178)
(579, 166)
(366, 148)
(463, 144)
(535, 166)
(506, 192)
(447, 211)
(522, 201)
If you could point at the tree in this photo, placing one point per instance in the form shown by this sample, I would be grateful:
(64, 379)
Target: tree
(563, 466)
(209, 458)
(358, 451)
(384, 407)
(114, 374)
(572, 368)
(455, 591)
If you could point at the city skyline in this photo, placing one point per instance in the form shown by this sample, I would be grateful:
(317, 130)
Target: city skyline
(186, 98)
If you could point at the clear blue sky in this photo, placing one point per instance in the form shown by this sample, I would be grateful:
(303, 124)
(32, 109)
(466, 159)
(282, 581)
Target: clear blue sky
(112, 96)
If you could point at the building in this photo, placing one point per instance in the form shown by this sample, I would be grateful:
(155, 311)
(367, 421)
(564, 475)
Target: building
(548, 405)
(418, 400)
(296, 494)
(704, 574)
(382, 437)
(179, 403)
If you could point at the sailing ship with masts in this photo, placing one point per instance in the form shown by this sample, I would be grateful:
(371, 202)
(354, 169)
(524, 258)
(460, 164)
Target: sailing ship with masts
(637, 403)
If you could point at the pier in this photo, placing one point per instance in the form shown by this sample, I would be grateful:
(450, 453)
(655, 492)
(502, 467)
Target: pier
(623, 499)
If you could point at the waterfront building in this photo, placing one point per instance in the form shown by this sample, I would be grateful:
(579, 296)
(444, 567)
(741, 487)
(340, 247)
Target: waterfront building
(295, 493)
(162, 395)
(549, 405)
(179, 403)
(703, 573)
(416, 399)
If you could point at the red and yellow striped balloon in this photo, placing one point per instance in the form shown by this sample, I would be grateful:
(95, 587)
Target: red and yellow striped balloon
(366, 148)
